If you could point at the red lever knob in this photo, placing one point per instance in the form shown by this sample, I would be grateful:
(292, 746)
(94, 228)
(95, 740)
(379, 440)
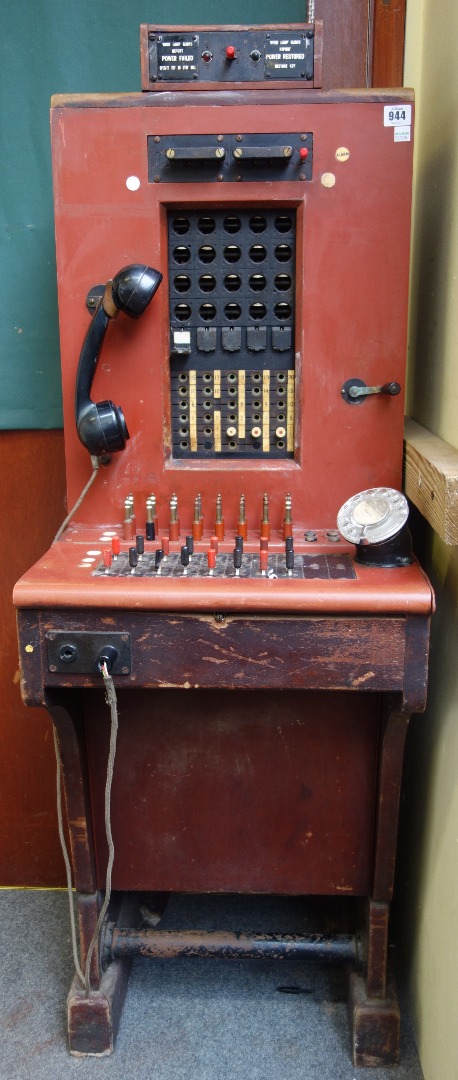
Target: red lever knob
(303, 153)
(230, 52)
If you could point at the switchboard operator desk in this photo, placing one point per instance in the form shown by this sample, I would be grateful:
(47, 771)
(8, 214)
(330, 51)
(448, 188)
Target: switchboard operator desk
(261, 733)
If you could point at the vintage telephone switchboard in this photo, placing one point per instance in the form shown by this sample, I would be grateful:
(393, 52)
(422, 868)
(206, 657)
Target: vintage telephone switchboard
(232, 275)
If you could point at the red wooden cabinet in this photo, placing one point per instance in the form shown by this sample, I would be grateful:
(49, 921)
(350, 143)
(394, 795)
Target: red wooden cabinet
(262, 712)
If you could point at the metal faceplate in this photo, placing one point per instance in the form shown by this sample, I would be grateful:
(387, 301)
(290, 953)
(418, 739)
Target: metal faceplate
(77, 652)
(247, 157)
(232, 295)
(230, 55)
(306, 567)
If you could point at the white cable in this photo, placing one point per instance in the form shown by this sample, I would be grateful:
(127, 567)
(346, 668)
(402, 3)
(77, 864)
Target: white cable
(95, 468)
(110, 695)
(68, 869)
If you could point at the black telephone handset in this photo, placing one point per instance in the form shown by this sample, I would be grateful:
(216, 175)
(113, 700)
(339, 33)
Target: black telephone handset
(101, 426)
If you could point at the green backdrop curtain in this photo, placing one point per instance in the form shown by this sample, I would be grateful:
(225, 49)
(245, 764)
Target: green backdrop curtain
(47, 47)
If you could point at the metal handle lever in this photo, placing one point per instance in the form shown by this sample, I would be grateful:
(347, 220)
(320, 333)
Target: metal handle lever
(392, 388)
(355, 390)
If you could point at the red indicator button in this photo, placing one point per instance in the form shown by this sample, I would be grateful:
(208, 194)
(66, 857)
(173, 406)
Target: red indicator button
(230, 52)
(303, 153)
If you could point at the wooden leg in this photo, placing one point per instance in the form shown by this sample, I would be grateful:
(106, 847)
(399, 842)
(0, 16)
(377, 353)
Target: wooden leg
(374, 1025)
(93, 1019)
(373, 1004)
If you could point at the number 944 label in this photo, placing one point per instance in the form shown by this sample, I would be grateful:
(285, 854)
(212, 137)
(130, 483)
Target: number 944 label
(397, 115)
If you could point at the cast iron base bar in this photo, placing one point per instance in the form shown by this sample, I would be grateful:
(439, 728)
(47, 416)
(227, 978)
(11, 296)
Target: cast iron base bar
(233, 946)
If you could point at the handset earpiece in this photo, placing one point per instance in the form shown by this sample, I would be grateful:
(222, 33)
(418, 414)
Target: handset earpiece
(101, 426)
